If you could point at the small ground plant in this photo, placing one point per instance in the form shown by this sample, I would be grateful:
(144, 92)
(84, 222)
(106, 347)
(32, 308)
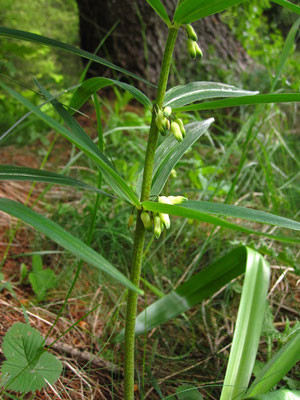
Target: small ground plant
(153, 209)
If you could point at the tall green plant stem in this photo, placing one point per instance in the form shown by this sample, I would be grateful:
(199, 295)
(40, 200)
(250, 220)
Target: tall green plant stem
(139, 237)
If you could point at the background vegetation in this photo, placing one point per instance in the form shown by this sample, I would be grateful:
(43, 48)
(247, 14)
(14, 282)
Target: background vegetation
(261, 172)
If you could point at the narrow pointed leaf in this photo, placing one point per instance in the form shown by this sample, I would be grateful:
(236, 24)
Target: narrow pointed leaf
(32, 37)
(200, 287)
(181, 95)
(64, 239)
(287, 4)
(196, 212)
(241, 101)
(248, 327)
(171, 151)
(91, 86)
(277, 367)
(188, 392)
(191, 10)
(160, 10)
(80, 139)
(16, 173)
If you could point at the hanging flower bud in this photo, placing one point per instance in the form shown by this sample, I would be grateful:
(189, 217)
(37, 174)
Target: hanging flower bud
(165, 220)
(164, 200)
(175, 129)
(180, 123)
(198, 50)
(167, 111)
(191, 33)
(191, 48)
(173, 173)
(146, 219)
(177, 199)
(157, 227)
(162, 122)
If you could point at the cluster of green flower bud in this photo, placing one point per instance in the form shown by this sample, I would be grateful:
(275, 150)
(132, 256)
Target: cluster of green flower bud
(165, 120)
(160, 221)
(192, 45)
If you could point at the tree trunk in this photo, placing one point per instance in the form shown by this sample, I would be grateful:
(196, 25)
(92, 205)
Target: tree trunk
(138, 41)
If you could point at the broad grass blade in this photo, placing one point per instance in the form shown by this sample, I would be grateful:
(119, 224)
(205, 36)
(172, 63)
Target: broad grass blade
(170, 152)
(64, 239)
(241, 101)
(160, 10)
(15, 173)
(277, 367)
(201, 211)
(91, 86)
(248, 327)
(191, 10)
(32, 37)
(201, 286)
(287, 4)
(181, 95)
(80, 139)
(283, 394)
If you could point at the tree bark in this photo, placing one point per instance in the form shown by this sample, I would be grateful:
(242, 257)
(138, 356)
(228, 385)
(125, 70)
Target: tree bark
(138, 41)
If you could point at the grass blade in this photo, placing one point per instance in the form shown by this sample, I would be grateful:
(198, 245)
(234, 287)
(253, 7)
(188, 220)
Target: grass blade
(240, 101)
(191, 10)
(283, 394)
(277, 367)
(160, 10)
(80, 139)
(170, 152)
(91, 86)
(201, 286)
(64, 239)
(32, 37)
(196, 212)
(287, 4)
(15, 173)
(181, 95)
(248, 327)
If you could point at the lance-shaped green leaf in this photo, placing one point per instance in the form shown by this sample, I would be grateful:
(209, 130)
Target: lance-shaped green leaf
(80, 139)
(32, 37)
(160, 10)
(195, 210)
(277, 367)
(191, 10)
(171, 151)
(283, 394)
(181, 95)
(200, 287)
(287, 4)
(248, 327)
(16, 173)
(90, 86)
(64, 239)
(241, 101)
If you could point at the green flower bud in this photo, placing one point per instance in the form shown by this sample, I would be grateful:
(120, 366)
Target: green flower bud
(175, 129)
(191, 33)
(180, 123)
(165, 220)
(177, 199)
(198, 50)
(146, 219)
(191, 48)
(167, 111)
(157, 227)
(164, 200)
(173, 173)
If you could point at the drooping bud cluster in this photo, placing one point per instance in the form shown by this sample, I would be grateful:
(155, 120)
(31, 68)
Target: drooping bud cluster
(166, 120)
(192, 45)
(160, 221)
